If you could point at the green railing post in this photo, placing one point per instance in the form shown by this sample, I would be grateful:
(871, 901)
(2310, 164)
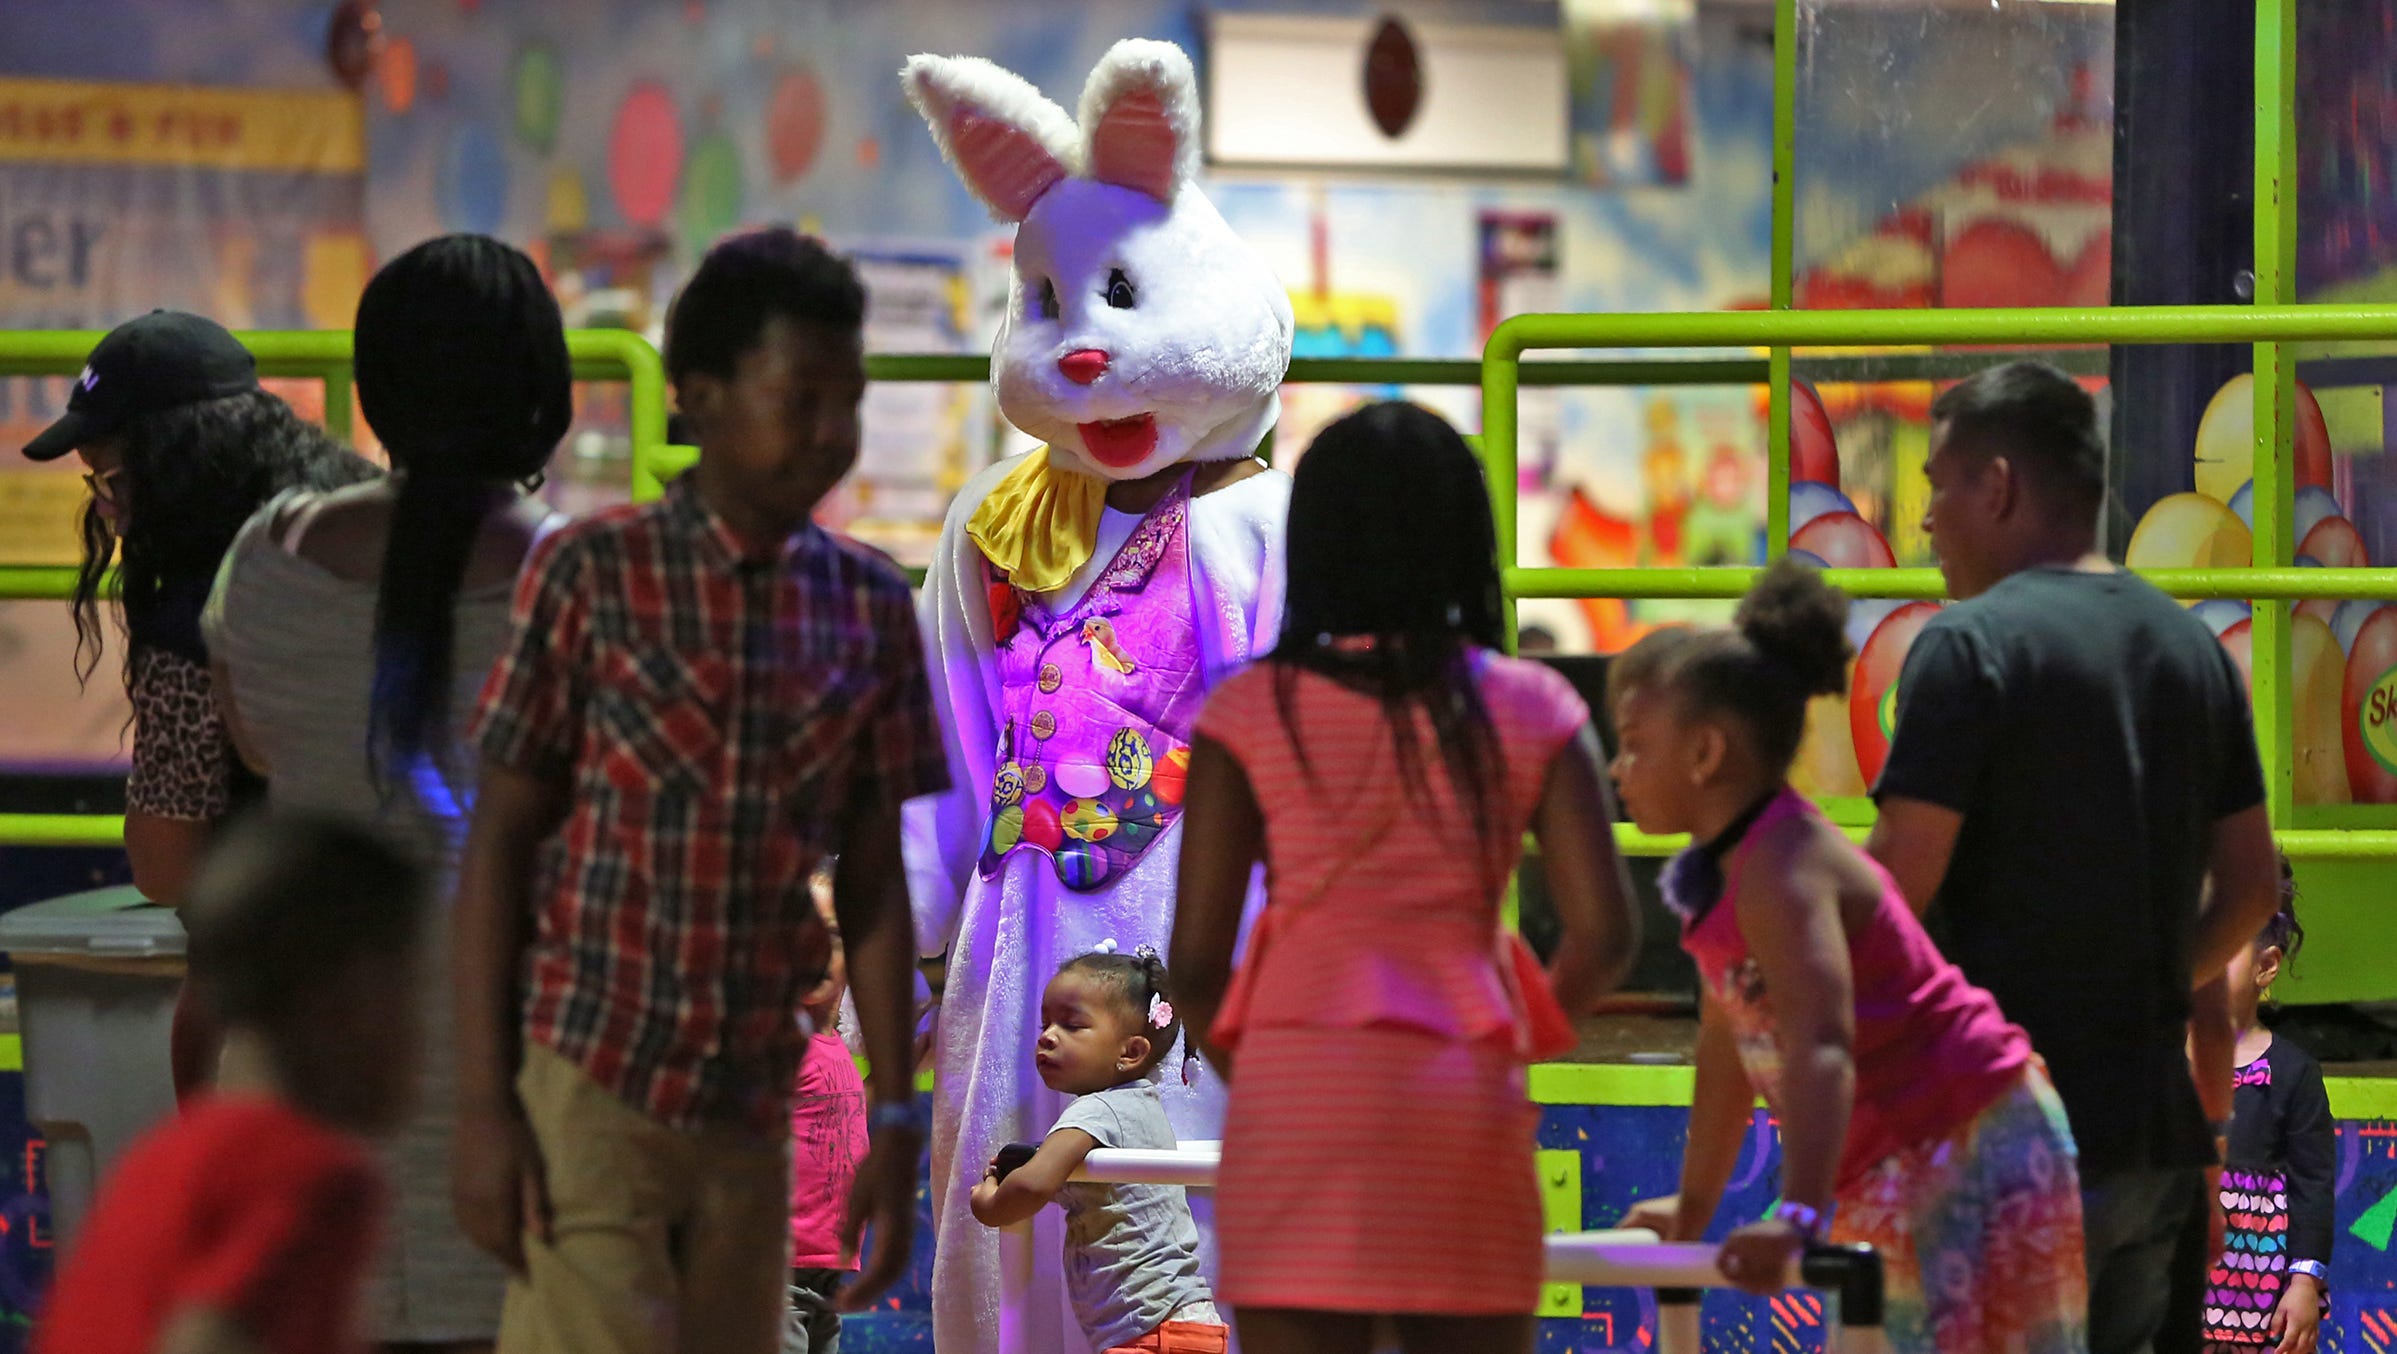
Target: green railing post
(644, 376)
(2273, 468)
(339, 420)
(1498, 423)
(1785, 271)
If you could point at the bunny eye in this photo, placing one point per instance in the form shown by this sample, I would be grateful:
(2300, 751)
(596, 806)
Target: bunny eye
(1119, 290)
(1044, 306)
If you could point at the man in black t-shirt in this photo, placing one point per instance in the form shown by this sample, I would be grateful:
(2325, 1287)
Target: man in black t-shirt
(2073, 758)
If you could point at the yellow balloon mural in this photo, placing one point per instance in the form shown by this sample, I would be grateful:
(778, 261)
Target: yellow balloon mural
(2320, 670)
(2226, 444)
(1826, 766)
(2190, 531)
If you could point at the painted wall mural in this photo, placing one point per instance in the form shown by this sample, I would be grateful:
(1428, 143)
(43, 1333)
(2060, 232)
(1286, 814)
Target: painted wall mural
(616, 141)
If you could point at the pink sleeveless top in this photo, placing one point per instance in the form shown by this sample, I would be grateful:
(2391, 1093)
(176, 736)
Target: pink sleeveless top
(1931, 1050)
(1382, 908)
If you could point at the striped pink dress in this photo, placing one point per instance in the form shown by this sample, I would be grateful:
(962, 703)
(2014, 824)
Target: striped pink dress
(1378, 1145)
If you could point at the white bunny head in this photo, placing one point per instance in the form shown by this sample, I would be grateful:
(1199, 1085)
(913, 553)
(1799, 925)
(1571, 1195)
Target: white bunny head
(1140, 331)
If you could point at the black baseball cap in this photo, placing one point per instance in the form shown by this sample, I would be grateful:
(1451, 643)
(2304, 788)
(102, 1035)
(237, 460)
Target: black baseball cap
(164, 360)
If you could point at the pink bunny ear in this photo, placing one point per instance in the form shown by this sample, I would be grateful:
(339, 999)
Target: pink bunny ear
(1140, 111)
(1008, 143)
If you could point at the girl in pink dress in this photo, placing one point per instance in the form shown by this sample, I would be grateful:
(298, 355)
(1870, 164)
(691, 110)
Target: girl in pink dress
(1913, 1114)
(1383, 765)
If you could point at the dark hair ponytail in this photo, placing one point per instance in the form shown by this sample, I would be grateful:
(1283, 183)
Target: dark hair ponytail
(1793, 618)
(1158, 1000)
(1788, 644)
(463, 372)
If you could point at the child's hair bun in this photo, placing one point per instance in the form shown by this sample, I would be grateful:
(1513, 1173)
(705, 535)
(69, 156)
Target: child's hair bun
(1794, 616)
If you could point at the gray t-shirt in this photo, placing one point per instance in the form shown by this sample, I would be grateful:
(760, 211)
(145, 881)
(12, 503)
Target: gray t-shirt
(1131, 1251)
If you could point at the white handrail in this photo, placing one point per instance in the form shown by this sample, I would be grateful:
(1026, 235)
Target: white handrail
(1192, 1165)
(1619, 1258)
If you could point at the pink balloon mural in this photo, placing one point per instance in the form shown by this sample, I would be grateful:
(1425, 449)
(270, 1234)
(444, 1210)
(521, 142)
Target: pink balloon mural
(795, 124)
(645, 153)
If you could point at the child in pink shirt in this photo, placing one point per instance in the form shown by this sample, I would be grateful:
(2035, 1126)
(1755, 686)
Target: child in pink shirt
(828, 1139)
(1913, 1113)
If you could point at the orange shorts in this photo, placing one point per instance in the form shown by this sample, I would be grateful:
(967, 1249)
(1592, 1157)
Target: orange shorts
(1180, 1337)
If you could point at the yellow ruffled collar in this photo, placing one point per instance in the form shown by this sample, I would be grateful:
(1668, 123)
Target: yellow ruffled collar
(1040, 525)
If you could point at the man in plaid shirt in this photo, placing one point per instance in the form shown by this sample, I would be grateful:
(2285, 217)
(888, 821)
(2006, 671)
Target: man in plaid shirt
(705, 697)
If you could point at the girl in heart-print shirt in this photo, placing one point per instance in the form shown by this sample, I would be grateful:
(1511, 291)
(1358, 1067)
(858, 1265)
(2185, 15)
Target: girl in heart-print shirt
(2268, 1287)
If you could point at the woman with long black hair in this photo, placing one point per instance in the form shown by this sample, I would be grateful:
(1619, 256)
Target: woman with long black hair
(1384, 763)
(181, 445)
(353, 629)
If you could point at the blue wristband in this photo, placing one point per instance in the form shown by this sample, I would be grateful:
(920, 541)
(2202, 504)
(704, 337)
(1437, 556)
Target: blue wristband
(1809, 1223)
(2312, 1269)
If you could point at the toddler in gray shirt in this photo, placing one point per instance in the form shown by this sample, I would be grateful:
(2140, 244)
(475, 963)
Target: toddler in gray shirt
(1131, 1251)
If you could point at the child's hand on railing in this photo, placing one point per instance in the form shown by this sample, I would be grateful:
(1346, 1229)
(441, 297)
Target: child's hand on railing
(1757, 1258)
(1661, 1215)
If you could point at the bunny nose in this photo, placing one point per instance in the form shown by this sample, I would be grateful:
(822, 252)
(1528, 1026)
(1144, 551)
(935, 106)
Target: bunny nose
(1083, 366)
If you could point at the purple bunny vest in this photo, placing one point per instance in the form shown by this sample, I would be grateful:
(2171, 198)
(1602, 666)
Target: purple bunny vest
(1099, 701)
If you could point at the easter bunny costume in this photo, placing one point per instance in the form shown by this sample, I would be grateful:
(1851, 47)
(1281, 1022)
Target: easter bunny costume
(1073, 644)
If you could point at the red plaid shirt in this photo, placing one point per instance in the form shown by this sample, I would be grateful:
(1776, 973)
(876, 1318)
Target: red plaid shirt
(716, 715)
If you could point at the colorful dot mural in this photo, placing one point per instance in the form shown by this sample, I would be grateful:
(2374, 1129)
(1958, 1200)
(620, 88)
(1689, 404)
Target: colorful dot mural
(539, 86)
(568, 207)
(645, 154)
(794, 124)
(474, 180)
(711, 190)
(395, 75)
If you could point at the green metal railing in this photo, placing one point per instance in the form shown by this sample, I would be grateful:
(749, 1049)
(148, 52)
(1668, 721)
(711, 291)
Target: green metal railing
(599, 355)
(2273, 581)
(324, 355)
(1501, 374)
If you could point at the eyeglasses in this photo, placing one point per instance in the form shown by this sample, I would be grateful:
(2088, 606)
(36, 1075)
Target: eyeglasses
(103, 484)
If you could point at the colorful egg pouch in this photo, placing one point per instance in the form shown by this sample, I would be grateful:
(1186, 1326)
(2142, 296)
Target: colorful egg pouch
(1093, 818)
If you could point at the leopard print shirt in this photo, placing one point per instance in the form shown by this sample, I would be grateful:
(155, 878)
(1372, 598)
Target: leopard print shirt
(182, 753)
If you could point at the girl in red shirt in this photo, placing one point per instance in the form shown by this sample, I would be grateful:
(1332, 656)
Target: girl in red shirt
(247, 1222)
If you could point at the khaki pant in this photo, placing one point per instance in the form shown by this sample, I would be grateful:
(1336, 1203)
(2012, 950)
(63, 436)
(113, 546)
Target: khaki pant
(663, 1242)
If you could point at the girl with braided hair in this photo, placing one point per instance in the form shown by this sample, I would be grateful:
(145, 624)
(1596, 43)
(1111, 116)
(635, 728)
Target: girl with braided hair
(351, 631)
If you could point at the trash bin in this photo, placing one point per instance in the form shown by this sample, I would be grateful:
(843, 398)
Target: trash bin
(97, 977)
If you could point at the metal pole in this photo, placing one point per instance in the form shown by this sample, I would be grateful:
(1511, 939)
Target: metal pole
(1784, 279)
(1498, 424)
(2274, 470)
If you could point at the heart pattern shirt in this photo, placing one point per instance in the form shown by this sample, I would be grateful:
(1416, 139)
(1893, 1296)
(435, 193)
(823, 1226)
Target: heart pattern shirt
(2246, 1283)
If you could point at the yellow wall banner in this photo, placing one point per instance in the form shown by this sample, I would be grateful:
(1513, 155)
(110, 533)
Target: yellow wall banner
(247, 205)
(309, 131)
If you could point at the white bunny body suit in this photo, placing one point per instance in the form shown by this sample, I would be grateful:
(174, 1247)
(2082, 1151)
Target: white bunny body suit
(1012, 931)
(1142, 335)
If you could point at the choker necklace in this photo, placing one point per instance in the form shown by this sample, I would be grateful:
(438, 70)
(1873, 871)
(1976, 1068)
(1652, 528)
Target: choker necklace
(1693, 881)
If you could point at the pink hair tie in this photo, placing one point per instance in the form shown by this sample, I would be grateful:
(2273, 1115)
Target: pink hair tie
(1161, 1013)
